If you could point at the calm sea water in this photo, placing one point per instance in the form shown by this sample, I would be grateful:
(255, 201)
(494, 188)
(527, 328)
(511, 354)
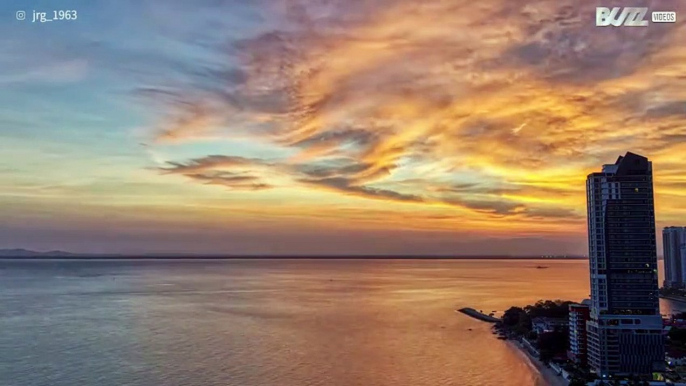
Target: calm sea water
(286, 323)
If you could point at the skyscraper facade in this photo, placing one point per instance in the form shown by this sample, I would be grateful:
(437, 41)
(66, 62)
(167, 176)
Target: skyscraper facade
(625, 326)
(673, 241)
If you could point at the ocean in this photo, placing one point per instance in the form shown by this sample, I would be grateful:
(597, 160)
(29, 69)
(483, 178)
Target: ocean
(269, 322)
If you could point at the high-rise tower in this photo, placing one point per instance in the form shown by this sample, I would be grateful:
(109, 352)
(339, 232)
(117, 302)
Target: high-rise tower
(673, 240)
(625, 329)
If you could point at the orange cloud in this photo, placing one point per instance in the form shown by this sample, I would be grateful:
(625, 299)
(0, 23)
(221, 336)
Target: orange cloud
(499, 112)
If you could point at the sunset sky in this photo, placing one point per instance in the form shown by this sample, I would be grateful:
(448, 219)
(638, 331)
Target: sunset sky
(329, 126)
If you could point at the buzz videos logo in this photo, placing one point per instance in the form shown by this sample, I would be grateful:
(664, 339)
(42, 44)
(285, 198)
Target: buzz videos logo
(630, 17)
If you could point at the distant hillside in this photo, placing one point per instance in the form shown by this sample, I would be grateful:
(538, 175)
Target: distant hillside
(28, 253)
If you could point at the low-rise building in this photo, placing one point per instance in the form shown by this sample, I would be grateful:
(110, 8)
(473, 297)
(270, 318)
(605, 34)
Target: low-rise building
(542, 325)
(579, 314)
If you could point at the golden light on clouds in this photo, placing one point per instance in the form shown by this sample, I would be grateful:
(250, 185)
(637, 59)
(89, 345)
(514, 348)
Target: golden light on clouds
(454, 118)
(490, 118)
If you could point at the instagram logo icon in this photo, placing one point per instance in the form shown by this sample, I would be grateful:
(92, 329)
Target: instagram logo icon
(21, 15)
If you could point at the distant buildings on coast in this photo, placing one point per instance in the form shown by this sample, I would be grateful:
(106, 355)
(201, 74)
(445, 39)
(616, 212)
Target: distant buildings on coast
(618, 335)
(674, 248)
(624, 327)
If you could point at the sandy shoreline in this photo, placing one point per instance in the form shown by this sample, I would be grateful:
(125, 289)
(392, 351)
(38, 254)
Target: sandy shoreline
(546, 375)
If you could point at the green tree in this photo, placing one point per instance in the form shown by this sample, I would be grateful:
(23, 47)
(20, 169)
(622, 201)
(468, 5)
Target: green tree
(577, 382)
(548, 309)
(677, 336)
(553, 343)
(532, 336)
(512, 315)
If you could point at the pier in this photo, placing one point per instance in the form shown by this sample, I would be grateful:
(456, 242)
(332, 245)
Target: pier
(478, 315)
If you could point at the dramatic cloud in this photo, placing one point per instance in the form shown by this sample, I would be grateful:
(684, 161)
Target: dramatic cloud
(230, 172)
(500, 111)
(209, 162)
(455, 116)
(230, 180)
(344, 185)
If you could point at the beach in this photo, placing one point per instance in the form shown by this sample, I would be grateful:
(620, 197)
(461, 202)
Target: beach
(547, 376)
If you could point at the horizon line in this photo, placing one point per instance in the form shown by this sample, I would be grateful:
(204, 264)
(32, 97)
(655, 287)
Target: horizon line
(163, 256)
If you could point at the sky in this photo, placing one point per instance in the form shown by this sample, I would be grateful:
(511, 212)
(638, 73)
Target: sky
(329, 127)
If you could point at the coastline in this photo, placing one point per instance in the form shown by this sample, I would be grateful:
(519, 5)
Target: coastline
(546, 375)
(479, 315)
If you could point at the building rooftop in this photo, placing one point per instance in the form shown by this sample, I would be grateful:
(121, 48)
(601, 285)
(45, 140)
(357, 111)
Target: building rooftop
(627, 162)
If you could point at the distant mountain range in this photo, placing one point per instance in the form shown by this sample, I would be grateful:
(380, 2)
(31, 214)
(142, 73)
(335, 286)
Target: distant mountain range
(28, 253)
